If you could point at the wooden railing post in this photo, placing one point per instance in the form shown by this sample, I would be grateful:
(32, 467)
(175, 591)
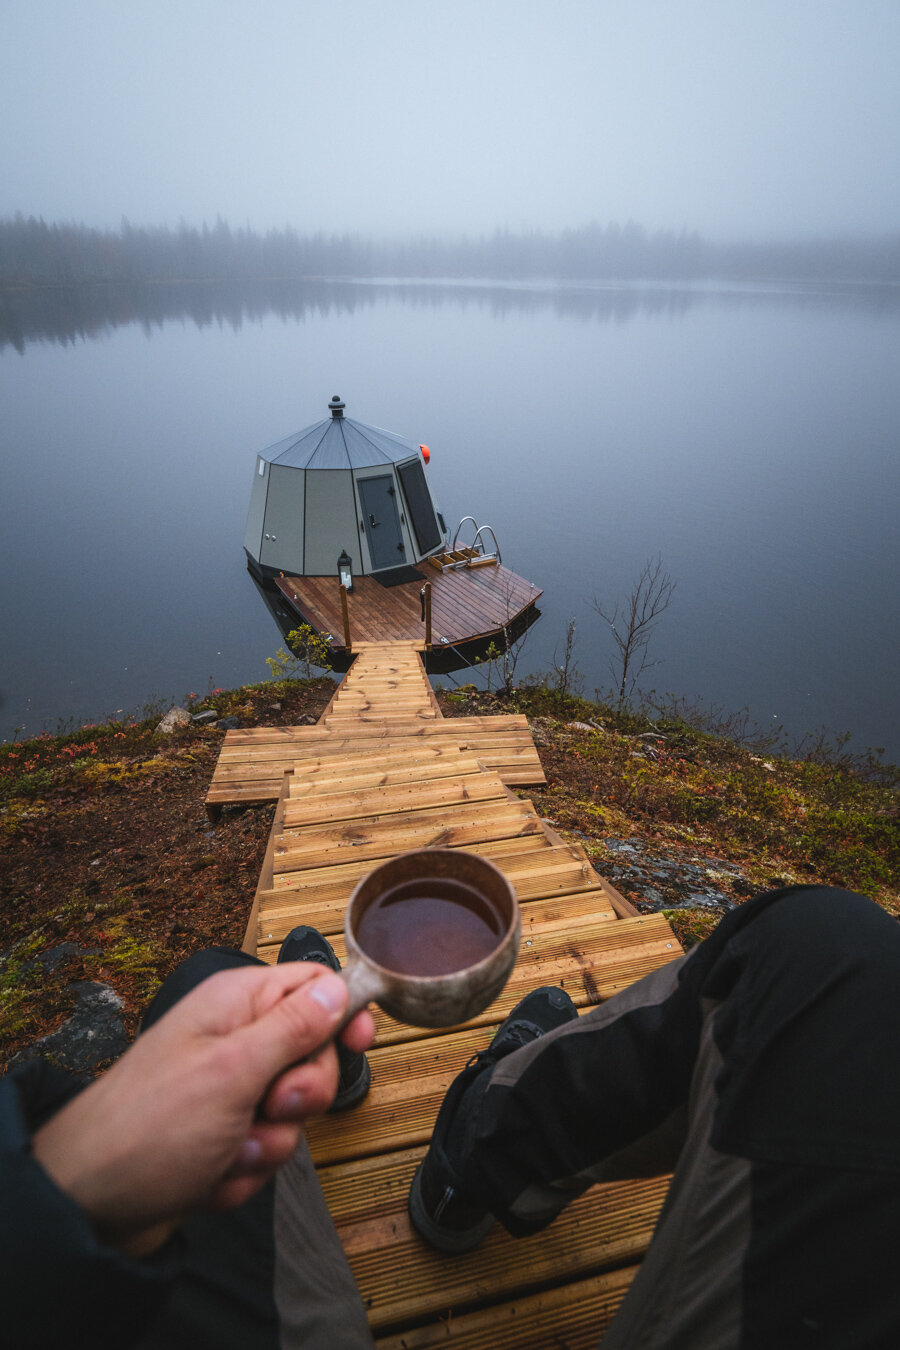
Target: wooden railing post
(345, 612)
(428, 616)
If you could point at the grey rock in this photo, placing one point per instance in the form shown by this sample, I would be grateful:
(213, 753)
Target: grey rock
(93, 1034)
(705, 899)
(53, 957)
(174, 718)
(208, 715)
(228, 724)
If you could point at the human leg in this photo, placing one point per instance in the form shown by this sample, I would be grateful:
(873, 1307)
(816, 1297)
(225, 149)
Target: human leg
(723, 1062)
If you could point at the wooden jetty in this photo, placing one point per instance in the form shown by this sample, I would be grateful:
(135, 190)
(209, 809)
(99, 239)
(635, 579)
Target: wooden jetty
(341, 484)
(383, 772)
(462, 606)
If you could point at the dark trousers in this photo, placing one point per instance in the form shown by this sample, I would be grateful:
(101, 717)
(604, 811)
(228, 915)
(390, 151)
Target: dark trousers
(764, 1068)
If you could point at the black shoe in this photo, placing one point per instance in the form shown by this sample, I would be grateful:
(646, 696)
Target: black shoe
(438, 1207)
(305, 944)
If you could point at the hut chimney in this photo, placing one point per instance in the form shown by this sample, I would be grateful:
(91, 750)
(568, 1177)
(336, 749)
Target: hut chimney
(336, 406)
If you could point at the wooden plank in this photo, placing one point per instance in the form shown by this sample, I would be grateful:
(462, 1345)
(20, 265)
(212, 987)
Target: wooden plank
(266, 875)
(378, 842)
(367, 1199)
(574, 1316)
(397, 798)
(261, 783)
(535, 870)
(246, 736)
(592, 965)
(325, 782)
(403, 1280)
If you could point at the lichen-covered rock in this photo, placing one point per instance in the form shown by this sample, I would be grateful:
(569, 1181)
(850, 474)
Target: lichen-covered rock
(93, 1034)
(175, 717)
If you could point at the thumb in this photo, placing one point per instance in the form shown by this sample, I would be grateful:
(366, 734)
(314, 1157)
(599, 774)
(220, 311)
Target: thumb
(301, 1022)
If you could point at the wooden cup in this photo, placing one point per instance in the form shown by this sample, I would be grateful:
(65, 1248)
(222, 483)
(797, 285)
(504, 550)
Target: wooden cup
(432, 1000)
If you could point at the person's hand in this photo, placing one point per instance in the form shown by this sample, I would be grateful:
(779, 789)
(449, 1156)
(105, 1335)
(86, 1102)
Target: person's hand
(205, 1106)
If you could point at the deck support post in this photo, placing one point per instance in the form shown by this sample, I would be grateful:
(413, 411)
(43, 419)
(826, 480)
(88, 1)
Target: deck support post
(345, 613)
(427, 589)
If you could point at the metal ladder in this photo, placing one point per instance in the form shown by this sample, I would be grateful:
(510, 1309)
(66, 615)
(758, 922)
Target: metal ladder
(477, 547)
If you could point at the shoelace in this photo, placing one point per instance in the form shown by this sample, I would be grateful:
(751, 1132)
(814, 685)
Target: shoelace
(515, 1035)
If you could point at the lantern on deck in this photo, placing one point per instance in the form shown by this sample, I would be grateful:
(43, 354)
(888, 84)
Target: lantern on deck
(345, 570)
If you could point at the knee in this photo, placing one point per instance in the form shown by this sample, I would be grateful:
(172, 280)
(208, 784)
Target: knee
(827, 919)
(197, 968)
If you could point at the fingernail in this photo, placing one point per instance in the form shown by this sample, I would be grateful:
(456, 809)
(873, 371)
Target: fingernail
(291, 1106)
(330, 993)
(250, 1154)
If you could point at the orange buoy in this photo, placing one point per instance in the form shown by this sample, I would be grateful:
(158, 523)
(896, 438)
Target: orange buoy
(426, 453)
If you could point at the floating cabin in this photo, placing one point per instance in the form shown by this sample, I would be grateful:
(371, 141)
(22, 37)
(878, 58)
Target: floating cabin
(343, 534)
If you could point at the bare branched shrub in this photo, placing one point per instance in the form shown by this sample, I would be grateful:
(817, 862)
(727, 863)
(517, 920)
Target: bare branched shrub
(632, 625)
(566, 675)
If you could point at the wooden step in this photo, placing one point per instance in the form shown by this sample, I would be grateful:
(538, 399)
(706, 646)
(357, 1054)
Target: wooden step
(592, 966)
(398, 799)
(367, 1199)
(536, 869)
(450, 827)
(401, 1279)
(322, 783)
(572, 1316)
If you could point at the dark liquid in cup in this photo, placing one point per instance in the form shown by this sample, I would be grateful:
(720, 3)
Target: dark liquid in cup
(431, 926)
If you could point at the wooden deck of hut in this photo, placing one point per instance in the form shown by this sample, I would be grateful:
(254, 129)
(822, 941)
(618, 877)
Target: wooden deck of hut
(383, 772)
(471, 598)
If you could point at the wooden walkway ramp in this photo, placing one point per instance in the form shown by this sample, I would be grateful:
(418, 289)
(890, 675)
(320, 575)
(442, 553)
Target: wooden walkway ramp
(384, 706)
(362, 786)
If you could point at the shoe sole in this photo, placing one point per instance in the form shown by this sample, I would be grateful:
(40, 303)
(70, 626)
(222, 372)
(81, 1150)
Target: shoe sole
(443, 1239)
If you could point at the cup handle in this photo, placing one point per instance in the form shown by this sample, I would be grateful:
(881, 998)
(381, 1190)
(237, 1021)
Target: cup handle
(364, 986)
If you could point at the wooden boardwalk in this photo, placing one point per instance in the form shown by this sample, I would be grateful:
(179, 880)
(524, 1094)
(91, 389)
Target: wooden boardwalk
(353, 790)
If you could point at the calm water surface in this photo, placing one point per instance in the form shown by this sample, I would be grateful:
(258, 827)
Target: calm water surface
(750, 438)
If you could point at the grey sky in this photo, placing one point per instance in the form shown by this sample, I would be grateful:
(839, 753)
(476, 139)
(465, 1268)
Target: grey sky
(740, 118)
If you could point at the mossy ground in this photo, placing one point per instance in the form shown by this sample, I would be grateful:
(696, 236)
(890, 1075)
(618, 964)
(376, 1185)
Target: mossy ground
(105, 843)
(776, 819)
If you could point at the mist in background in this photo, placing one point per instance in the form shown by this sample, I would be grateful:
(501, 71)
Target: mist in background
(775, 120)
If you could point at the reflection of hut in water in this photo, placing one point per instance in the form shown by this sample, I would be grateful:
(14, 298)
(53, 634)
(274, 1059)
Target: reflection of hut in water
(343, 524)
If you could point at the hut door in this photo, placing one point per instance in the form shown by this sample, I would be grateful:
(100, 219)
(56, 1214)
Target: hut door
(381, 521)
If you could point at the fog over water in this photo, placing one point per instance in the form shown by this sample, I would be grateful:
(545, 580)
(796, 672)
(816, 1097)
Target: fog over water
(745, 427)
(772, 119)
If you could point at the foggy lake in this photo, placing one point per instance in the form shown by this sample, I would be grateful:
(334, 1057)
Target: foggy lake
(748, 436)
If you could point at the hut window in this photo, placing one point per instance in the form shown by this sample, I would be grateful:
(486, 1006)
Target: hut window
(262, 468)
(420, 508)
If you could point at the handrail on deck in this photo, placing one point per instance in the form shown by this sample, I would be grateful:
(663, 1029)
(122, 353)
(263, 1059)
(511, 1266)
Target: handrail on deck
(479, 531)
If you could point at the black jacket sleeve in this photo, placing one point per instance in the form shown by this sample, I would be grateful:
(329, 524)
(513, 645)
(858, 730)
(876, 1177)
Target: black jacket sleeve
(58, 1285)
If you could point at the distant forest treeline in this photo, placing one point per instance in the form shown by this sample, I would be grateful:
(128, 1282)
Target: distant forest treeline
(35, 253)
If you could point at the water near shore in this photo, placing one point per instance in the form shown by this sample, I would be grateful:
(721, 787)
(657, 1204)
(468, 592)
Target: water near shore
(749, 436)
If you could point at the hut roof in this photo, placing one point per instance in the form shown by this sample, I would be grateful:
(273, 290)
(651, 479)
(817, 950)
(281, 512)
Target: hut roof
(340, 443)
